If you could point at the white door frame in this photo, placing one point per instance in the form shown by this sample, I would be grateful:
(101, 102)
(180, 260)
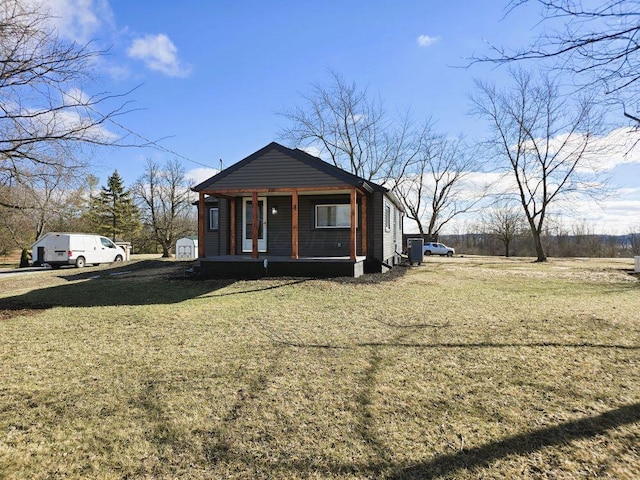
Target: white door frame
(247, 243)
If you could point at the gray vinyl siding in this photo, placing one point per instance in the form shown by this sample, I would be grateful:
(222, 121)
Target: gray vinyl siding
(238, 202)
(276, 170)
(323, 242)
(215, 241)
(384, 244)
(279, 226)
(224, 227)
(388, 236)
(376, 229)
(211, 243)
(211, 237)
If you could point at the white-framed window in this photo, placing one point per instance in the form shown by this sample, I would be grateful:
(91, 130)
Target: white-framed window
(387, 217)
(333, 216)
(214, 218)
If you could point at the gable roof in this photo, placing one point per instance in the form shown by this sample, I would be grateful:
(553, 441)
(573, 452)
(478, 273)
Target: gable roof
(336, 175)
(301, 156)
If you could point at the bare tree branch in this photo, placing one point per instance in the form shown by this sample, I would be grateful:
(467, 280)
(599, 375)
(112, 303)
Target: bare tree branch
(43, 106)
(596, 42)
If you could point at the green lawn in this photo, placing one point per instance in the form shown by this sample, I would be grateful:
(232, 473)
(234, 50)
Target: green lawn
(460, 368)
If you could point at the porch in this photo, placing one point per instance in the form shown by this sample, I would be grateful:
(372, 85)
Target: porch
(251, 214)
(246, 266)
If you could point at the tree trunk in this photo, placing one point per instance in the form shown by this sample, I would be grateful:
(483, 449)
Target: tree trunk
(166, 250)
(506, 248)
(539, 250)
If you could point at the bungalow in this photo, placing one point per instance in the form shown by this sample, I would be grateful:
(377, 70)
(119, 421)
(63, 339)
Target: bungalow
(283, 212)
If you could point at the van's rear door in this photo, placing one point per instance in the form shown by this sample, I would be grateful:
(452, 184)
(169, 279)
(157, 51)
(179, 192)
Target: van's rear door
(57, 249)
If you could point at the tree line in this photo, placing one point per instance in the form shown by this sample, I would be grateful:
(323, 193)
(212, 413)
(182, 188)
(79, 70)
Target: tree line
(561, 241)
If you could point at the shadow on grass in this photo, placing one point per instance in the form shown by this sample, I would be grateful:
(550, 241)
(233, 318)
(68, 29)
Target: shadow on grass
(147, 282)
(254, 290)
(498, 345)
(522, 444)
(443, 466)
(113, 292)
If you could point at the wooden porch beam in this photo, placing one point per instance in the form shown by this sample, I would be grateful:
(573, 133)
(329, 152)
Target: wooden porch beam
(232, 229)
(352, 232)
(254, 224)
(235, 191)
(294, 224)
(201, 224)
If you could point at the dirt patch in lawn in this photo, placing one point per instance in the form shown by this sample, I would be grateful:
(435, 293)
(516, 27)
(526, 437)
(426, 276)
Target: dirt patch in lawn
(18, 311)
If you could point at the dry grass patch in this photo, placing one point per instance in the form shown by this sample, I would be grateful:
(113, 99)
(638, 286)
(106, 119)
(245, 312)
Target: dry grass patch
(459, 368)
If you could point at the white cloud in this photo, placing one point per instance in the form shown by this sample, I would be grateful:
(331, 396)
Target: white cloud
(426, 40)
(614, 216)
(75, 97)
(312, 150)
(158, 53)
(79, 20)
(618, 147)
(199, 175)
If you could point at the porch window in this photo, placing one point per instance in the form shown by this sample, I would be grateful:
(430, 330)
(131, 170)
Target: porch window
(333, 216)
(213, 218)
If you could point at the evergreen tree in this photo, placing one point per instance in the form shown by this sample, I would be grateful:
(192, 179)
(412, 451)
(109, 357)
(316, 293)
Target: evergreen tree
(112, 211)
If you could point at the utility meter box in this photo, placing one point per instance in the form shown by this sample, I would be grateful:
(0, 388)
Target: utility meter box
(416, 250)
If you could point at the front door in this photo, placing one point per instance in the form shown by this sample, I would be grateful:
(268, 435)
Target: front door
(247, 226)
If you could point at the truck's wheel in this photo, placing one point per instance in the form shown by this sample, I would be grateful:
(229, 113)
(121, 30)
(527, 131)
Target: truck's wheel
(80, 262)
(118, 258)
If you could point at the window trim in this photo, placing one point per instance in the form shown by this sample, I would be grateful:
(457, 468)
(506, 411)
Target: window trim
(211, 227)
(343, 205)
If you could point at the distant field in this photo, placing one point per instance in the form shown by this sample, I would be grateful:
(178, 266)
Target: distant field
(463, 368)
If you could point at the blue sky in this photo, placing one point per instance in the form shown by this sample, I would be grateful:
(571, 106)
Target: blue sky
(212, 75)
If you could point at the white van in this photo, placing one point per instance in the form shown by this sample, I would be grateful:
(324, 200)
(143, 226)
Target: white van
(57, 249)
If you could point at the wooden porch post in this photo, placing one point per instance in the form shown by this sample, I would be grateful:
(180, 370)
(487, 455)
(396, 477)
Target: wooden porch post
(352, 235)
(232, 228)
(363, 225)
(294, 224)
(254, 225)
(201, 224)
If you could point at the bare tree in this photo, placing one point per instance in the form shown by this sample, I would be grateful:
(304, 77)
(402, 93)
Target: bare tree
(505, 222)
(597, 42)
(165, 199)
(43, 107)
(432, 185)
(37, 194)
(543, 140)
(351, 127)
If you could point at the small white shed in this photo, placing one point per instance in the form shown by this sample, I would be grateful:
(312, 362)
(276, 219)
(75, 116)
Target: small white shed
(187, 248)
